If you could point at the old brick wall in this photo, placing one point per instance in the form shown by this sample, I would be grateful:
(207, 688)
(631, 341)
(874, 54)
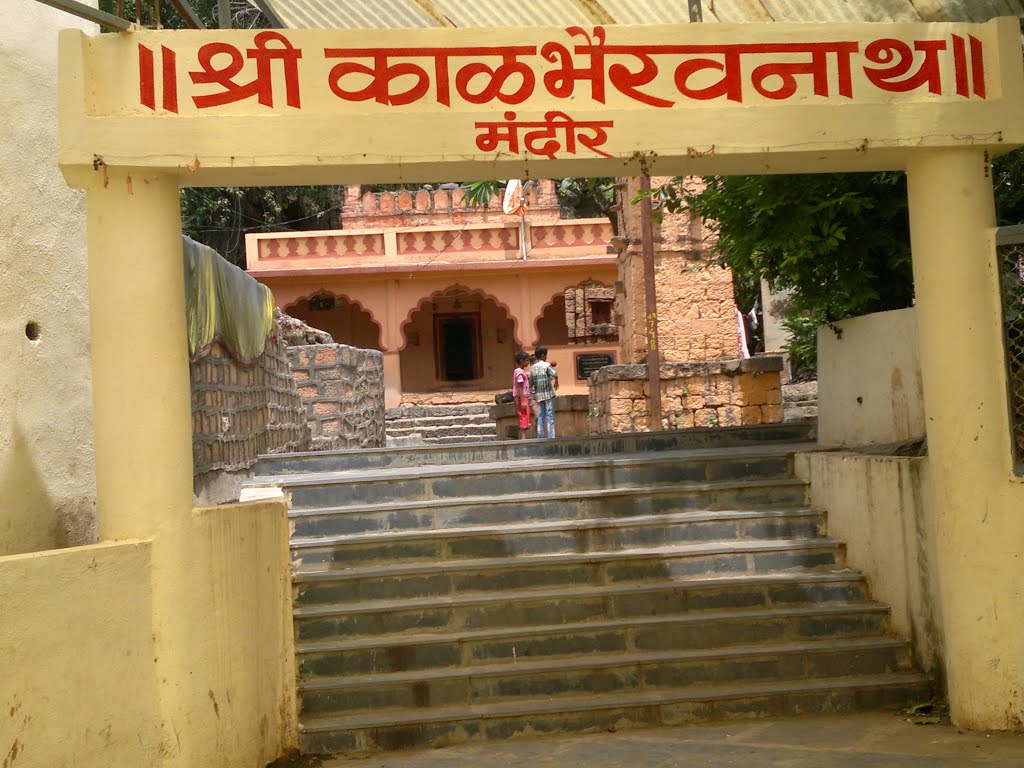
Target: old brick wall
(342, 390)
(444, 205)
(696, 312)
(240, 411)
(707, 394)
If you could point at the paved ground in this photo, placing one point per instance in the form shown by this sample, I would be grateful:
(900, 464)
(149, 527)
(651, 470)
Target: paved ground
(848, 741)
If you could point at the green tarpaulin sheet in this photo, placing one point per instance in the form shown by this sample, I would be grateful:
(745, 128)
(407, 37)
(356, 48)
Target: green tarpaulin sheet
(224, 304)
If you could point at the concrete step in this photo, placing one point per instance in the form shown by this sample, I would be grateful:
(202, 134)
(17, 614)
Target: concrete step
(510, 450)
(420, 411)
(559, 536)
(525, 608)
(412, 580)
(460, 439)
(555, 506)
(476, 419)
(603, 673)
(507, 645)
(406, 728)
(541, 476)
(795, 413)
(465, 431)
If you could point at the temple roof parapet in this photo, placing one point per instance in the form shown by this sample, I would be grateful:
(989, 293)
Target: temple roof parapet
(444, 204)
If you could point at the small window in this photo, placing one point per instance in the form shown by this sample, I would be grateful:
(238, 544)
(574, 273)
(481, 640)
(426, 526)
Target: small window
(601, 312)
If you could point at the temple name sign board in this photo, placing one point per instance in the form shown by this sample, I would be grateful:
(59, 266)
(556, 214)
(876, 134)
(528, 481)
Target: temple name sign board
(673, 94)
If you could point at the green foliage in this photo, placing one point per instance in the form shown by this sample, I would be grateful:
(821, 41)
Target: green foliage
(803, 339)
(480, 193)
(587, 198)
(840, 241)
(579, 198)
(1008, 180)
(243, 14)
(219, 216)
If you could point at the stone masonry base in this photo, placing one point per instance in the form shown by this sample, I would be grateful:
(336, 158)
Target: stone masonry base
(706, 394)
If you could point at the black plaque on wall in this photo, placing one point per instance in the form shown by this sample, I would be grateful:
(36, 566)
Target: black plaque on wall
(588, 362)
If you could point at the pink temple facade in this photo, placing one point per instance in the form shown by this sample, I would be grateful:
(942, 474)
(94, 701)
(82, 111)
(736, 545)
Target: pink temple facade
(449, 292)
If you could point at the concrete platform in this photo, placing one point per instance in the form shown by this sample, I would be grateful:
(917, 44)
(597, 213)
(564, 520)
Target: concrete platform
(845, 741)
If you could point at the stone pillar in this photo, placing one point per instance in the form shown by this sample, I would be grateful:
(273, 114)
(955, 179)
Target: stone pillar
(140, 373)
(392, 380)
(391, 341)
(977, 507)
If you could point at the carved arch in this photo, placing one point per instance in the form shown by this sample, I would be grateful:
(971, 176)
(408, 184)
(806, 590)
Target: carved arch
(457, 289)
(301, 309)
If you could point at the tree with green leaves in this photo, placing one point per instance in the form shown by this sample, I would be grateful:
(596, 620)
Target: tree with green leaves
(840, 243)
(243, 14)
(579, 198)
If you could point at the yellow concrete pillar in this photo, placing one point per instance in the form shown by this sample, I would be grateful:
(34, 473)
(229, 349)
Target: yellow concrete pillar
(977, 508)
(141, 400)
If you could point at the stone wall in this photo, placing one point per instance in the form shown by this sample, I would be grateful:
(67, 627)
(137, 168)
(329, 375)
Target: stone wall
(572, 418)
(710, 394)
(342, 389)
(240, 411)
(696, 308)
(579, 318)
(443, 205)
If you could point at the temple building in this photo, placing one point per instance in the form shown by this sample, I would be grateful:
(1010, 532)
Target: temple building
(448, 291)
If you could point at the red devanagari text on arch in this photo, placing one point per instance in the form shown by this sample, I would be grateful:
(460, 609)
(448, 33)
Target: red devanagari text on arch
(496, 78)
(147, 82)
(511, 82)
(262, 87)
(169, 70)
(900, 58)
(381, 74)
(561, 82)
(497, 133)
(977, 67)
(817, 68)
(168, 78)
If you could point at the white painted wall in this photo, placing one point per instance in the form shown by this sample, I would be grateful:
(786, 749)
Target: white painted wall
(869, 380)
(47, 485)
(775, 336)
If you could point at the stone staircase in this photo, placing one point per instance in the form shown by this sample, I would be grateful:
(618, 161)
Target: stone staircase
(440, 424)
(800, 401)
(521, 588)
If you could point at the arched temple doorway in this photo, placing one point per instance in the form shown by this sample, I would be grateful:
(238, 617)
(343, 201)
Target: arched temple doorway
(346, 320)
(457, 339)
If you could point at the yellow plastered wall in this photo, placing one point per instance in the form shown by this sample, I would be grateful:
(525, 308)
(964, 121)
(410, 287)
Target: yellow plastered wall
(869, 380)
(88, 677)
(47, 490)
(979, 516)
(230, 700)
(880, 508)
(77, 672)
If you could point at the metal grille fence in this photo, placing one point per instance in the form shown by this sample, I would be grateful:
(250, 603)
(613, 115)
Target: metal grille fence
(1010, 245)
